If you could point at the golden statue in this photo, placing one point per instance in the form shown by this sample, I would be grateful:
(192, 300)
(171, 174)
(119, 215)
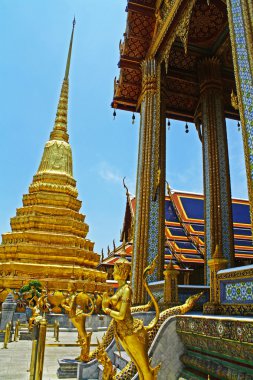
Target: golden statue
(109, 334)
(109, 370)
(234, 100)
(78, 318)
(43, 303)
(36, 316)
(129, 370)
(130, 331)
(98, 302)
(38, 306)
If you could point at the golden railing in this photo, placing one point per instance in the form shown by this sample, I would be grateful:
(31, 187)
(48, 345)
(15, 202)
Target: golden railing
(7, 334)
(55, 325)
(16, 331)
(38, 350)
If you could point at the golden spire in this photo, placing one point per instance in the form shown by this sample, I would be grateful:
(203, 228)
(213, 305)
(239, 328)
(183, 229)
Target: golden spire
(60, 125)
(57, 156)
(66, 77)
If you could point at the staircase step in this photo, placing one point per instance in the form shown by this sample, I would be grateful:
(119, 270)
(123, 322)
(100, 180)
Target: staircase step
(101, 370)
(121, 359)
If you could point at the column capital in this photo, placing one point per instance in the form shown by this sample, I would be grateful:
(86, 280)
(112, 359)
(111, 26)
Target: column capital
(209, 73)
(149, 75)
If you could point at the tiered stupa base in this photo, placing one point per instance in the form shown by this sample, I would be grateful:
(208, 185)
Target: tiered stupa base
(15, 274)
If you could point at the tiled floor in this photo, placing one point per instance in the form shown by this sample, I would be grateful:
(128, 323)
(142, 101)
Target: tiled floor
(15, 361)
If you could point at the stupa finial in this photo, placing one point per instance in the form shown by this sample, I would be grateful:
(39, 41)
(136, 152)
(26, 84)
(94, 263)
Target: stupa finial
(70, 51)
(61, 121)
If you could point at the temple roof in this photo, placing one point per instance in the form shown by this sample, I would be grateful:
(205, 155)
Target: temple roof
(150, 25)
(184, 231)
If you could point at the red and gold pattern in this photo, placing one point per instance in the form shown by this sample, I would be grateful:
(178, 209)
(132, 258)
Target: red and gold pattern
(146, 35)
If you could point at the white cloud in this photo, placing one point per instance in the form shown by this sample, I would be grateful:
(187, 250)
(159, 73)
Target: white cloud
(111, 174)
(108, 173)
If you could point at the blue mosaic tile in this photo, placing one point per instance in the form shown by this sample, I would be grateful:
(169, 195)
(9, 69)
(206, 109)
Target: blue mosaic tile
(153, 234)
(207, 197)
(239, 292)
(138, 185)
(245, 74)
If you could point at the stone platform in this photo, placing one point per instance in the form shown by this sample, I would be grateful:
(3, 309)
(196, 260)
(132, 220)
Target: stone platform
(94, 322)
(67, 368)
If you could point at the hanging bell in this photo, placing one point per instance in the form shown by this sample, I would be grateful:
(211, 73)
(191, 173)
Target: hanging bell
(133, 118)
(186, 128)
(168, 125)
(114, 114)
(238, 126)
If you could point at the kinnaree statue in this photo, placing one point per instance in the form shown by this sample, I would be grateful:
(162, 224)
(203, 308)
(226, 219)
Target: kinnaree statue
(134, 337)
(129, 331)
(39, 307)
(78, 318)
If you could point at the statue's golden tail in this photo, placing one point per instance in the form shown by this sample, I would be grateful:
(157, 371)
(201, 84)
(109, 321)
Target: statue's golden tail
(149, 270)
(92, 307)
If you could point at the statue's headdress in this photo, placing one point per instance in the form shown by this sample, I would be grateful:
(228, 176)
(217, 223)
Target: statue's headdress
(123, 265)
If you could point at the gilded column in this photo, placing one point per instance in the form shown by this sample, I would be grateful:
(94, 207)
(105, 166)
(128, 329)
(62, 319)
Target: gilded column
(218, 209)
(216, 263)
(170, 293)
(150, 184)
(240, 16)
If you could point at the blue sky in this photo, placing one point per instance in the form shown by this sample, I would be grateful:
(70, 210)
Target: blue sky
(34, 43)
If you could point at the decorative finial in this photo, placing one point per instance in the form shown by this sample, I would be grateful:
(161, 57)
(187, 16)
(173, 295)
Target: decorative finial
(168, 188)
(123, 261)
(102, 255)
(123, 252)
(70, 50)
(125, 186)
(170, 266)
(114, 245)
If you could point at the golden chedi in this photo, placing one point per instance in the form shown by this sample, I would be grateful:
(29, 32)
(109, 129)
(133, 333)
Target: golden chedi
(48, 239)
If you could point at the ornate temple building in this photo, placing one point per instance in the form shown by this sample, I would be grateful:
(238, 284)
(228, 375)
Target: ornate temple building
(48, 238)
(190, 61)
(185, 236)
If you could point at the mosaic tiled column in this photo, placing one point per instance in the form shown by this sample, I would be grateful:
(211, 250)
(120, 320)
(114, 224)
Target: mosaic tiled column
(218, 210)
(150, 184)
(240, 16)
